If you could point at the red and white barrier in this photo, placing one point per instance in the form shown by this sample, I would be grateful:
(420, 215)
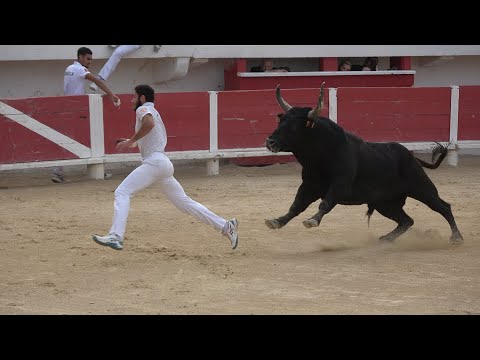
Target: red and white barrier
(71, 130)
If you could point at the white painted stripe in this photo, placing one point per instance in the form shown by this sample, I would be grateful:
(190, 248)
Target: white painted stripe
(213, 121)
(424, 145)
(48, 164)
(469, 144)
(43, 130)
(332, 104)
(97, 139)
(420, 145)
(199, 155)
(454, 100)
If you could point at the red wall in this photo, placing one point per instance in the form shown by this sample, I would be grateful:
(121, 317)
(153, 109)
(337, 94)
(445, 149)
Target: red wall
(469, 113)
(247, 118)
(392, 114)
(186, 117)
(68, 115)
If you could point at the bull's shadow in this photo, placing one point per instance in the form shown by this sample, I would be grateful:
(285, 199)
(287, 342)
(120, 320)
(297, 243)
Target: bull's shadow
(341, 168)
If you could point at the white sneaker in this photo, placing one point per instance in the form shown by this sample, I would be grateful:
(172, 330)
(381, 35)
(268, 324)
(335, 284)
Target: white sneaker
(93, 87)
(58, 178)
(111, 240)
(230, 231)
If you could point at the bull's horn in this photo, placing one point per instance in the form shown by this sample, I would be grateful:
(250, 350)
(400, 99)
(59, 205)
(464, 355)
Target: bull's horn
(312, 114)
(283, 104)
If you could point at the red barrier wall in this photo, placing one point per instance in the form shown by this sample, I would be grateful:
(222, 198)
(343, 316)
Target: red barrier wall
(395, 114)
(469, 113)
(186, 117)
(234, 82)
(246, 118)
(68, 115)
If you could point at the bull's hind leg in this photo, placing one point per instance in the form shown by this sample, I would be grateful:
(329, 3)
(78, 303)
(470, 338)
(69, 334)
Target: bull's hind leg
(394, 211)
(435, 203)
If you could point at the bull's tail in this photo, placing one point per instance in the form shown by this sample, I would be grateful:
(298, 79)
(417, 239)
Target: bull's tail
(439, 149)
(369, 213)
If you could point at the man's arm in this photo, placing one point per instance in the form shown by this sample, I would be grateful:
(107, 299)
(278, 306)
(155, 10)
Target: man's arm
(102, 85)
(147, 126)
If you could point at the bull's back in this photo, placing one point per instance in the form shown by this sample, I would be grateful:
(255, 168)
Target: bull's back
(381, 171)
(382, 162)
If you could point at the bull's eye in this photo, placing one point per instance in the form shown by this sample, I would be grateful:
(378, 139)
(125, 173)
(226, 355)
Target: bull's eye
(279, 118)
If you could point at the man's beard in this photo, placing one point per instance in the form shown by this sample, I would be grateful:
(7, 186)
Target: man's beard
(137, 105)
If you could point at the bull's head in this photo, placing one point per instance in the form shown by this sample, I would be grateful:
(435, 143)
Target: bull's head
(293, 124)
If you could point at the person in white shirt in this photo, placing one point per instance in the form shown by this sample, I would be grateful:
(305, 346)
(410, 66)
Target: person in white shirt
(74, 84)
(118, 54)
(151, 138)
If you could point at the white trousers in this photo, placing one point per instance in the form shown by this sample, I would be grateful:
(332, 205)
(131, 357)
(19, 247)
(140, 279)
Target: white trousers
(158, 168)
(111, 64)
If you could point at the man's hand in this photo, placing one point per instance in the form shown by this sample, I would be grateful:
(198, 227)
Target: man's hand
(124, 144)
(121, 139)
(115, 99)
(147, 125)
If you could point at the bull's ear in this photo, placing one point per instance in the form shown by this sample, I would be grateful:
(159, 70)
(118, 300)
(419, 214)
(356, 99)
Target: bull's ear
(279, 116)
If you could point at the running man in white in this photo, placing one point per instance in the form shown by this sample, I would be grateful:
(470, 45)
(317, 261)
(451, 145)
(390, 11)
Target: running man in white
(151, 138)
(74, 84)
(118, 54)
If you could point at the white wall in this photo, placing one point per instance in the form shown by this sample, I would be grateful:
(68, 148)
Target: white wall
(45, 78)
(431, 71)
(31, 78)
(205, 77)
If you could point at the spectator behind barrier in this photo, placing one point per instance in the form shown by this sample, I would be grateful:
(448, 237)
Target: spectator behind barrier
(370, 64)
(345, 65)
(267, 66)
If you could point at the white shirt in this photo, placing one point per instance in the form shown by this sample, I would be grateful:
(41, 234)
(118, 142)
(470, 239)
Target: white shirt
(156, 139)
(74, 79)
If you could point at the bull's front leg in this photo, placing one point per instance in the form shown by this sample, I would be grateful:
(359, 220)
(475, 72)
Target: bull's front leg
(336, 192)
(306, 195)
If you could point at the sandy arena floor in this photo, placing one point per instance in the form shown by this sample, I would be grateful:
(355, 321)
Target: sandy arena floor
(173, 264)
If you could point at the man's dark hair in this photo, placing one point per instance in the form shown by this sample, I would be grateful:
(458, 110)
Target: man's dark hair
(343, 62)
(371, 62)
(147, 91)
(84, 51)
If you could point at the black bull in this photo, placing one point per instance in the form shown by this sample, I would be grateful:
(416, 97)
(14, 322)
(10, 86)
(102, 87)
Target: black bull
(341, 168)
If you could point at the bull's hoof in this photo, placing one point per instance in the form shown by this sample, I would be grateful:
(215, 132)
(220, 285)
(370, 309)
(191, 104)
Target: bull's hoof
(456, 240)
(386, 239)
(273, 224)
(310, 223)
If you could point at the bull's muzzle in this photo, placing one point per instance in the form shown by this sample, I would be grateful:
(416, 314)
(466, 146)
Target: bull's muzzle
(270, 144)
